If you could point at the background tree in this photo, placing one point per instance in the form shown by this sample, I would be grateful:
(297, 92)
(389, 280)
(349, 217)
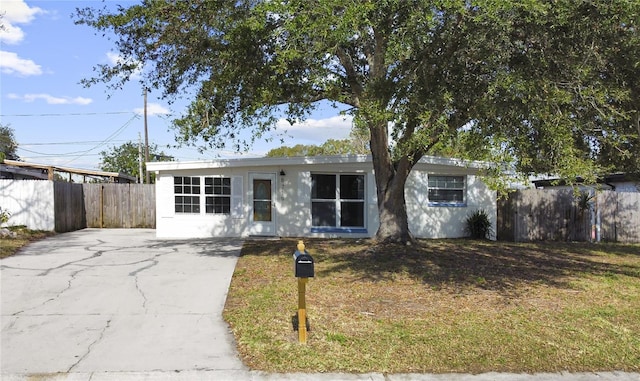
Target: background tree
(534, 85)
(125, 159)
(330, 147)
(8, 144)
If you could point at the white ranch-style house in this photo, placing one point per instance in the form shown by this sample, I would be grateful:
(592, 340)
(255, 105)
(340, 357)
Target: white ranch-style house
(328, 196)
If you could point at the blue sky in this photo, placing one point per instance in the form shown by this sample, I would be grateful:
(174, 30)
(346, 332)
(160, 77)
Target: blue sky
(56, 121)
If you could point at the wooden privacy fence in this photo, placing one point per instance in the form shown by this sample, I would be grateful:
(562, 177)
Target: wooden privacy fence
(63, 207)
(68, 206)
(120, 205)
(557, 214)
(104, 206)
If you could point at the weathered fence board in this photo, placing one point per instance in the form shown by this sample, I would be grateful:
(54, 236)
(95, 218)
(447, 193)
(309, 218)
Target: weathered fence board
(608, 208)
(628, 228)
(92, 204)
(557, 215)
(68, 207)
(120, 205)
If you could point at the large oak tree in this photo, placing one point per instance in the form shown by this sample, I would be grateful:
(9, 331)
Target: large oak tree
(538, 86)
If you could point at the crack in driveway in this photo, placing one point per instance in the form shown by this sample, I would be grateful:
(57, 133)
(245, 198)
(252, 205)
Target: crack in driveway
(87, 248)
(91, 346)
(142, 294)
(73, 277)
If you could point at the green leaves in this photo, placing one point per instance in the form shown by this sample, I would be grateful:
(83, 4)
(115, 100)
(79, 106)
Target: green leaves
(328, 148)
(548, 87)
(125, 158)
(8, 144)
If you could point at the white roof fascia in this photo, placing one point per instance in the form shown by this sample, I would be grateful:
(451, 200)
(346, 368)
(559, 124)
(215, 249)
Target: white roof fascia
(297, 160)
(256, 162)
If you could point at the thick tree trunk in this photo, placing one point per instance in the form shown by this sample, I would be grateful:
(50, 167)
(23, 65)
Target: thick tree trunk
(392, 211)
(390, 181)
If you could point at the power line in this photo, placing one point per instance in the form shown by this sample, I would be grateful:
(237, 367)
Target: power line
(68, 143)
(112, 136)
(73, 114)
(51, 154)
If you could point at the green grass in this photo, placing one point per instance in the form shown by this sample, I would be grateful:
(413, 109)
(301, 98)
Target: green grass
(441, 306)
(9, 246)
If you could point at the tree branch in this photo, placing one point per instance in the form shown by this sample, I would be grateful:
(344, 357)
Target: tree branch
(351, 75)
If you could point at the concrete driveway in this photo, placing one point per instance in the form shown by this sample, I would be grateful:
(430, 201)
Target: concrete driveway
(117, 300)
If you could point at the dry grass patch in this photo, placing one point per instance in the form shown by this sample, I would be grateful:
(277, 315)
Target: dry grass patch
(442, 306)
(11, 245)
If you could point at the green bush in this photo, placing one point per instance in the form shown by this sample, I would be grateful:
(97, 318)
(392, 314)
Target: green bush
(478, 225)
(4, 215)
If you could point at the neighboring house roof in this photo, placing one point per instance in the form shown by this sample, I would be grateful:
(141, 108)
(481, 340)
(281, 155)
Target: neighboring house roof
(608, 181)
(432, 161)
(42, 171)
(13, 172)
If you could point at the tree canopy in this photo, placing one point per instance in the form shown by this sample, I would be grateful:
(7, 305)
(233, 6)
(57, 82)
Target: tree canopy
(535, 86)
(125, 159)
(8, 144)
(330, 147)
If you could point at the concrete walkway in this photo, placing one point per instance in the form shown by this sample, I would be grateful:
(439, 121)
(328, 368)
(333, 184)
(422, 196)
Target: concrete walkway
(116, 304)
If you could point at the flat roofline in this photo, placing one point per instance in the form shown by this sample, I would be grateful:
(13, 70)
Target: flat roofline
(295, 160)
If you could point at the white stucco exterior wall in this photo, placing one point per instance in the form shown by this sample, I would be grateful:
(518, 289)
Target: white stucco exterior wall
(292, 201)
(435, 221)
(292, 198)
(191, 225)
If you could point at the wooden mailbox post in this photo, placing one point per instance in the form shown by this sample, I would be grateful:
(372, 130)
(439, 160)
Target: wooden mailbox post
(303, 270)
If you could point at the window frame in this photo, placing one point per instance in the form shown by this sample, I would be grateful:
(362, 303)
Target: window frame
(185, 191)
(217, 197)
(446, 187)
(338, 202)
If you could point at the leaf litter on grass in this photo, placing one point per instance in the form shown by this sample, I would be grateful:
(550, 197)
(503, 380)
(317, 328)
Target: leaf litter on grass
(440, 306)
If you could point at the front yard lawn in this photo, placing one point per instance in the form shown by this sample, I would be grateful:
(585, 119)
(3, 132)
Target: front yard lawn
(11, 245)
(441, 306)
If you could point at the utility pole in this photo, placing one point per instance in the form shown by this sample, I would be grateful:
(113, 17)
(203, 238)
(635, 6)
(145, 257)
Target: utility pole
(139, 159)
(146, 138)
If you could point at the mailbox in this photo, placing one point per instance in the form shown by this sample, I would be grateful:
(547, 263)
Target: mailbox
(303, 264)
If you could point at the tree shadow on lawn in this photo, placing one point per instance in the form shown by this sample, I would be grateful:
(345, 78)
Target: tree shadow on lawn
(496, 266)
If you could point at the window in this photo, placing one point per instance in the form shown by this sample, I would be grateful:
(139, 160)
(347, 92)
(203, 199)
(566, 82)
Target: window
(446, 190)
(337, 200)
(217, 192)
(187, 194)
(220, 190)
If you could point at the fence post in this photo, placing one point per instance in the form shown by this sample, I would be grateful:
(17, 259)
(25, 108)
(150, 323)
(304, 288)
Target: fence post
(101, 206)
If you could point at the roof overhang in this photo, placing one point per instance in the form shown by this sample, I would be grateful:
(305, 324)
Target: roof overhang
(298, 160)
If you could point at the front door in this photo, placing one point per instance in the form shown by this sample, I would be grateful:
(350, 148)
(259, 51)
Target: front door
(262, 193)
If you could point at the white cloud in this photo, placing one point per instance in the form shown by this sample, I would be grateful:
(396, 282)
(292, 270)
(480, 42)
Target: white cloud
(115, 59)
(153, 109)
(15, 12)
(317, 131)
(10, 63)
(50, 99)
(11, 35)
